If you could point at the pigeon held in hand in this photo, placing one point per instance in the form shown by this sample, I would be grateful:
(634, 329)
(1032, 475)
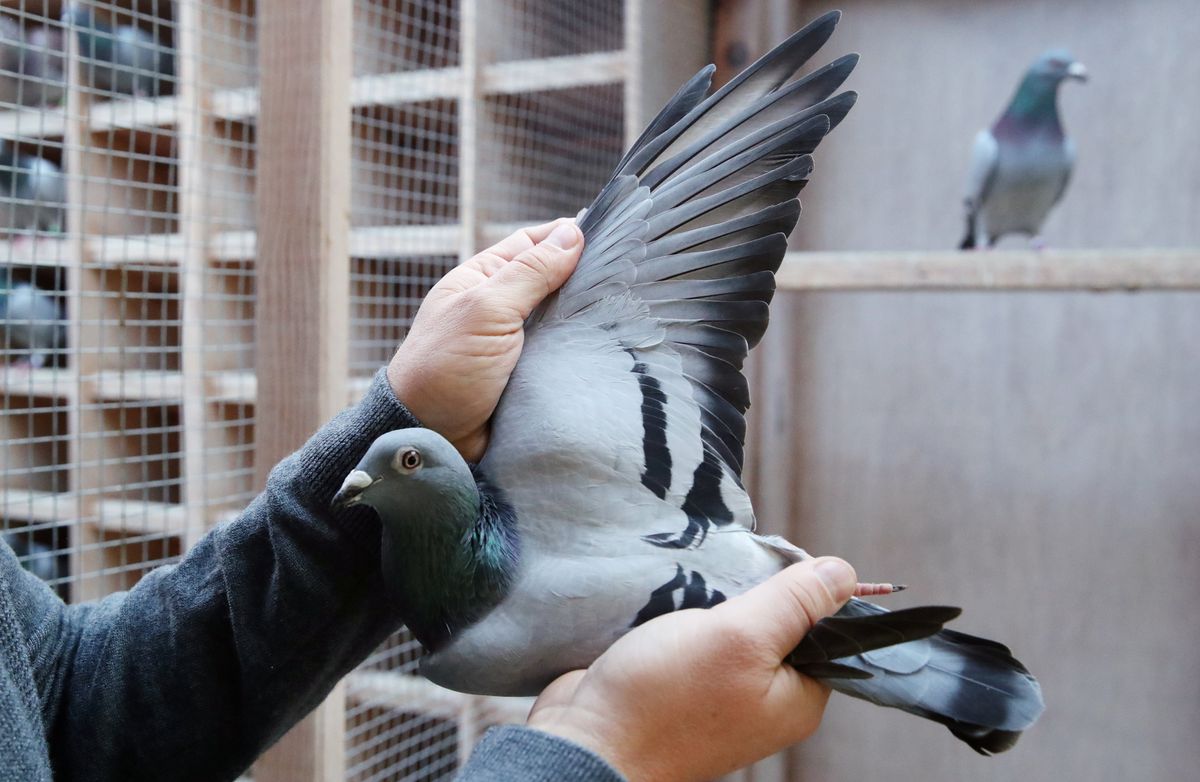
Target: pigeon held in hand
(611, 490)
(121, 58)
(32, 326)
(33, 191)
(1020, 166)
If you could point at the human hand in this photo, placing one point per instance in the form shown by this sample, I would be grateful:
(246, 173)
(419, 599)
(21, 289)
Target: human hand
(468, 333)
(698, 693)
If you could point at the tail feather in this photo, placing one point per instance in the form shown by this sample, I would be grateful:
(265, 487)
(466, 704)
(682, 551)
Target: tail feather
(973, 686)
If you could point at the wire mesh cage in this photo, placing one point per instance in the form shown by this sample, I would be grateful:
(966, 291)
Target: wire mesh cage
(129, 141)
(128, 293)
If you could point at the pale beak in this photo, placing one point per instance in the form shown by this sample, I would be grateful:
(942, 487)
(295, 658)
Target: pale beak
(352, 488)
(1077, 72)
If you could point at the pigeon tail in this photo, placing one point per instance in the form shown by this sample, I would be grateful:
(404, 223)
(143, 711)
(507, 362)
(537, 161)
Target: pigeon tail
(973, 686)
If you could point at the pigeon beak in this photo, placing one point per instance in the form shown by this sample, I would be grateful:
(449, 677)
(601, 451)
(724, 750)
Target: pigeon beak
(352, 488)
(1077, 71)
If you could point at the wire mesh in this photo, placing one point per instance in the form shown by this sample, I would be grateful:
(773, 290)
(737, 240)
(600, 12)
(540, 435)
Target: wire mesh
(127, 175)
(111, 192)
(538, 154)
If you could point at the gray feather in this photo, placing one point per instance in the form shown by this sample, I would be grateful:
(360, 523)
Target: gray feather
(32, 325)
(31, 65)
(121, 58)
(33, 191)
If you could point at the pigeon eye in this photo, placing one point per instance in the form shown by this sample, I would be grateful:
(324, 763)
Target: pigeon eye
(408, 460)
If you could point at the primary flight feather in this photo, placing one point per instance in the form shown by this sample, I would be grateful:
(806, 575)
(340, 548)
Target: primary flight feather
(611, 491)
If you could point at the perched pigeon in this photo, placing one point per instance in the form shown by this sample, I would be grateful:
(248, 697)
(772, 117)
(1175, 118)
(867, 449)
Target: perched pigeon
(1021, 165)
(33, 192)
(32, 326)
(122, 58)
(38, 558)
(611, 491)
(31, 65)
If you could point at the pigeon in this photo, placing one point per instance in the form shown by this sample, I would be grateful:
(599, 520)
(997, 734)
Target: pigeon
(33, 191)
(1020, 166)
(33, 329)
(611, 490)
(37, 558)
(31, 65)
(123, 58)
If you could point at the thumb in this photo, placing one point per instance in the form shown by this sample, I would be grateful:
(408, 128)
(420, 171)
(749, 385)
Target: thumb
(781, 610)
(534, 274)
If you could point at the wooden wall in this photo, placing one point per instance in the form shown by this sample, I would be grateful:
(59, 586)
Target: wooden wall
(1031, 456)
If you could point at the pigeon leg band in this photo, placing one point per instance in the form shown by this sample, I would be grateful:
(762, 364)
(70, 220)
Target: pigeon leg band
(874, 590)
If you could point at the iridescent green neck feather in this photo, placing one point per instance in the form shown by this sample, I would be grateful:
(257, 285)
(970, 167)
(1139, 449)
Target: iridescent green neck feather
(451, 560)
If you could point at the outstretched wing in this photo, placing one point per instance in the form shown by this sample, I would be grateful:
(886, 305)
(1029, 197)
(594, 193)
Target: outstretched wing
(678, 270)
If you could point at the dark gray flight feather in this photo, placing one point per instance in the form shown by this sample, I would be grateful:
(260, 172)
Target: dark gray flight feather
(617, 446)
(1021, 165)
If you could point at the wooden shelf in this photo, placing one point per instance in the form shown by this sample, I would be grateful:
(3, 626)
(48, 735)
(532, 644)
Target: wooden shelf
(403, 692)
(142, 518)
(1048, 270)
(39, 507)
(388, 89)
(40, 383)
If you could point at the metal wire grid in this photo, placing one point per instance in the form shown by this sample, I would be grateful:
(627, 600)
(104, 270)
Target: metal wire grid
(536, 29)
(94, 478)
(548, 153)
(540, 155)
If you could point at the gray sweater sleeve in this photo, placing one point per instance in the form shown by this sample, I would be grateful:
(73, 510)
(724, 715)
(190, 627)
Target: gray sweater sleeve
(204, 664)
(512, 754)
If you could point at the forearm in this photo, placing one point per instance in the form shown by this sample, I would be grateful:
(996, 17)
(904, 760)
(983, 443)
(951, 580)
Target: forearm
(512, 753)
(204, 664)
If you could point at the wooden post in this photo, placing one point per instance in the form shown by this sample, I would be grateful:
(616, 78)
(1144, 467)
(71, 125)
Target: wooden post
(305, 50)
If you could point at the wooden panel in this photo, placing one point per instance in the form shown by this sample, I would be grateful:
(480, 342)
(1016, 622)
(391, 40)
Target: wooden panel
(303, 281)
(667, 42)
(934, 73)
(1031, 457)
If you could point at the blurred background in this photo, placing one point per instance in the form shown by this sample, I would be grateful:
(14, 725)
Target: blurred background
(198, 197)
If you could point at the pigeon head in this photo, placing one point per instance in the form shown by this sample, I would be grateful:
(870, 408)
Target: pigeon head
(407, 474)
(1056, 66)
(1034, 108)
(448, 547)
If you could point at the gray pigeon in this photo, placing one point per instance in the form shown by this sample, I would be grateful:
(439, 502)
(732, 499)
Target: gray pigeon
(32, 324)
(611, 492)
(33, 192)
(121, 58)
(1021, 165)
(31, 65)
(38, 558)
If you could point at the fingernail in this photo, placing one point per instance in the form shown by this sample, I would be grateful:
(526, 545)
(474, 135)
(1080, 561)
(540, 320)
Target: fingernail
(565, 236)
(838, 577)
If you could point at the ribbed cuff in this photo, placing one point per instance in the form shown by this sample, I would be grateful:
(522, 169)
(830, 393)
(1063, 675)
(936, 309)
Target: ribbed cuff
(512, 753)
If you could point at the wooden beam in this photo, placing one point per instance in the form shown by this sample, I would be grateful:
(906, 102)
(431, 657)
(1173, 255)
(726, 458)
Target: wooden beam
(1116, 269)
(303, 282)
